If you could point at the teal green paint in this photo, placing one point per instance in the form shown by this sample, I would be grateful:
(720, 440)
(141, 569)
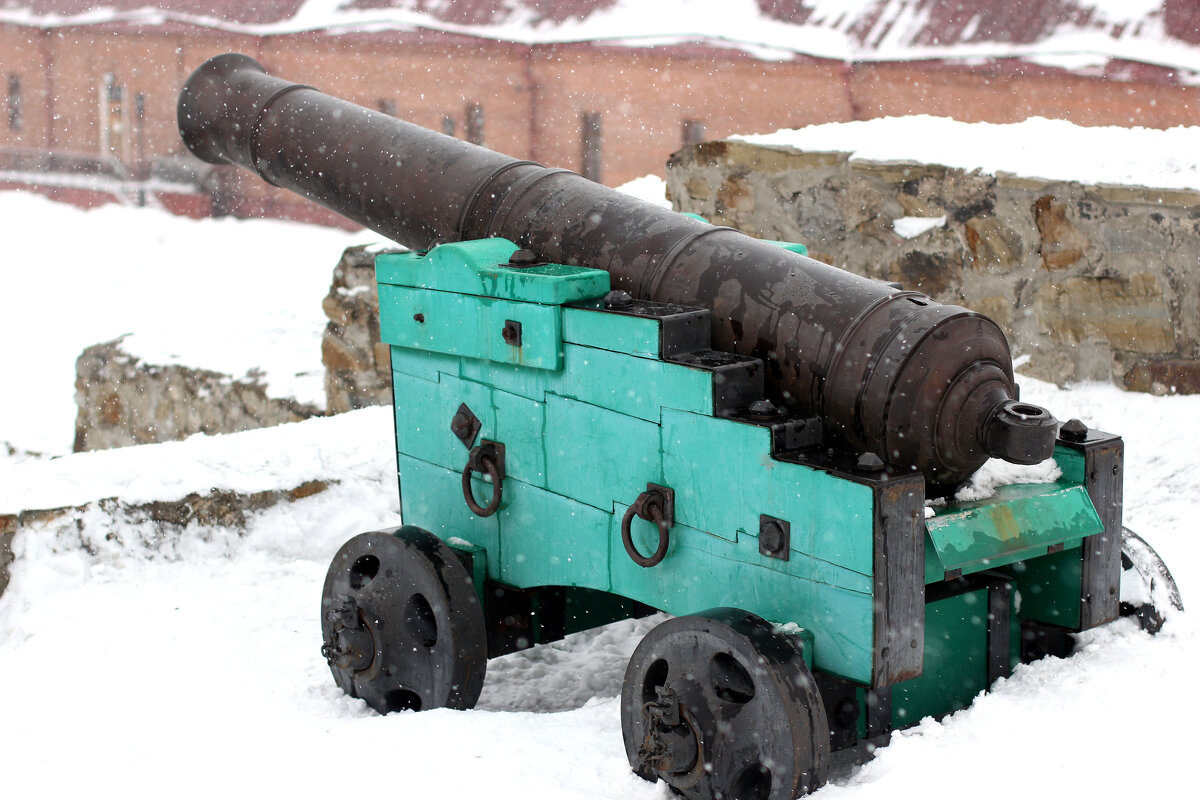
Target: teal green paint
(1071, 462)
(597, 455)
(637, 336)
(634, 386)
(431, 498)
(512, 378)
(521, 427)
(794, 247)
(481, 268)
(1019, 521)
(702, 571)
(1050, 587)
(831, 518)
(465, 325)
(934, 571)
(955, 660)
(423, 364)
(424, 411)
(551, 540)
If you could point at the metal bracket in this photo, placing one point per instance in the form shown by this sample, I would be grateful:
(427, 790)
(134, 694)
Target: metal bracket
(465, 426)
(774, 537)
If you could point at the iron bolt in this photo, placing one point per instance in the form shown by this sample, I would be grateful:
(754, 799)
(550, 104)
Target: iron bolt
(617, 299)
(869, 462)
(522, 258)
(1073, 430)
(512, 331)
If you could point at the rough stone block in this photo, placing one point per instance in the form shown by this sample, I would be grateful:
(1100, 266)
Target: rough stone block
(122, 401)
(1129, 314)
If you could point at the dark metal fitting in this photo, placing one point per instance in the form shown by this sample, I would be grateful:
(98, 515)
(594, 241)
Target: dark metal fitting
(419, 318)
(351, 648)
(1073, 430)
(670, 745)
(436, 243)
(488, 459)
(344, 612)
(774, 537)
(763, 408)
(618, 299)
(465, 426)
(1020, 433)
(512, 331)
(523, 258)
(657, 505)
(870, 462)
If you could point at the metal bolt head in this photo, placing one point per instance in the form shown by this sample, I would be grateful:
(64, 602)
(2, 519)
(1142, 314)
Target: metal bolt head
(522, 258)
(511, 332)
(1073, 430)
(763, 408)
(869, 462)
(617, 299)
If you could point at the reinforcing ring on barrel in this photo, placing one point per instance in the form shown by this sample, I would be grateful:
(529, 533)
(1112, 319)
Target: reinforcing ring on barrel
(488, 459)
(657, 505)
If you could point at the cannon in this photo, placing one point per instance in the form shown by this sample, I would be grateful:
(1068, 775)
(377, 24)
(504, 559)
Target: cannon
(605, 409)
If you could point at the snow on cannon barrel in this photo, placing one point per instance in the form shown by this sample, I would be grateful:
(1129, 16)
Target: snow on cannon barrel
(923, 386)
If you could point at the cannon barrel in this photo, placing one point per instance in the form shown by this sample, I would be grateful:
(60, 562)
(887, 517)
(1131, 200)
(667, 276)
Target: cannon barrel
(924, 386)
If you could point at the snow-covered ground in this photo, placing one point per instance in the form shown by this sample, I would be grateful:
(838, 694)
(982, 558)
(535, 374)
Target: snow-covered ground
(145, 665)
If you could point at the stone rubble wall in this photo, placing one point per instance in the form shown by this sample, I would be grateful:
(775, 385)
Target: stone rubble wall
(123, 401)
(1090, 282)
(358, 367)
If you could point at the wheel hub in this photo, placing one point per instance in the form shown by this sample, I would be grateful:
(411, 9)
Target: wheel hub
(349, 644)
(671, 745)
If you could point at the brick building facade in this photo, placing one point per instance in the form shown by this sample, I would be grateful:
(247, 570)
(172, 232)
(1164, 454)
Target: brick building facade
(90, 96)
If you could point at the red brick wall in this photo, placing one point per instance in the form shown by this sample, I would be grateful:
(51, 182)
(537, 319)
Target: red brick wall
(532, 101)
(883, 90)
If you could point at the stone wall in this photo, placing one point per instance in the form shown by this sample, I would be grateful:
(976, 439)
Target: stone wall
(358, 368)
(1090, 282)
(123, 401)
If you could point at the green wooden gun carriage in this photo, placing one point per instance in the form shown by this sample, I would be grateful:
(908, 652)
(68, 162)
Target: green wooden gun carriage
(604, 409)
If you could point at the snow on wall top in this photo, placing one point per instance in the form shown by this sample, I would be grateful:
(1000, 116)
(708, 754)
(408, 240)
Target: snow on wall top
(1035, 148)
(1099, 37)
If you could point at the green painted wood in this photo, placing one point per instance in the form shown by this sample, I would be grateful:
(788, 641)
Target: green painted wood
(1019, 521)
(794, 247)
(422, 364)
(1071, 462)
(512, 378)
(955, 660)
(481, 268)
(702, 571)
(548, 539)
(637, 387)
(599, 456)
(431, 498)
(424, 411)
(1050, 587)
(636, 336)
(521, 427)
(470, 326)
(831, 517)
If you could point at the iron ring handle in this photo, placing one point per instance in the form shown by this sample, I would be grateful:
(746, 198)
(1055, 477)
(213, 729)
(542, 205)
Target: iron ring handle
(652, 514)
(497, 487)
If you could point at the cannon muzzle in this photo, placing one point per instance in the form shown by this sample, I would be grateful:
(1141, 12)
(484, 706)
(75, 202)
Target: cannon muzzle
(925, 386)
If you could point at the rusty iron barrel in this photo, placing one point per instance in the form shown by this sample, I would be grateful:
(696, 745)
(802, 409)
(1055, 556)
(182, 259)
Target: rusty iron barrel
(925, 386)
